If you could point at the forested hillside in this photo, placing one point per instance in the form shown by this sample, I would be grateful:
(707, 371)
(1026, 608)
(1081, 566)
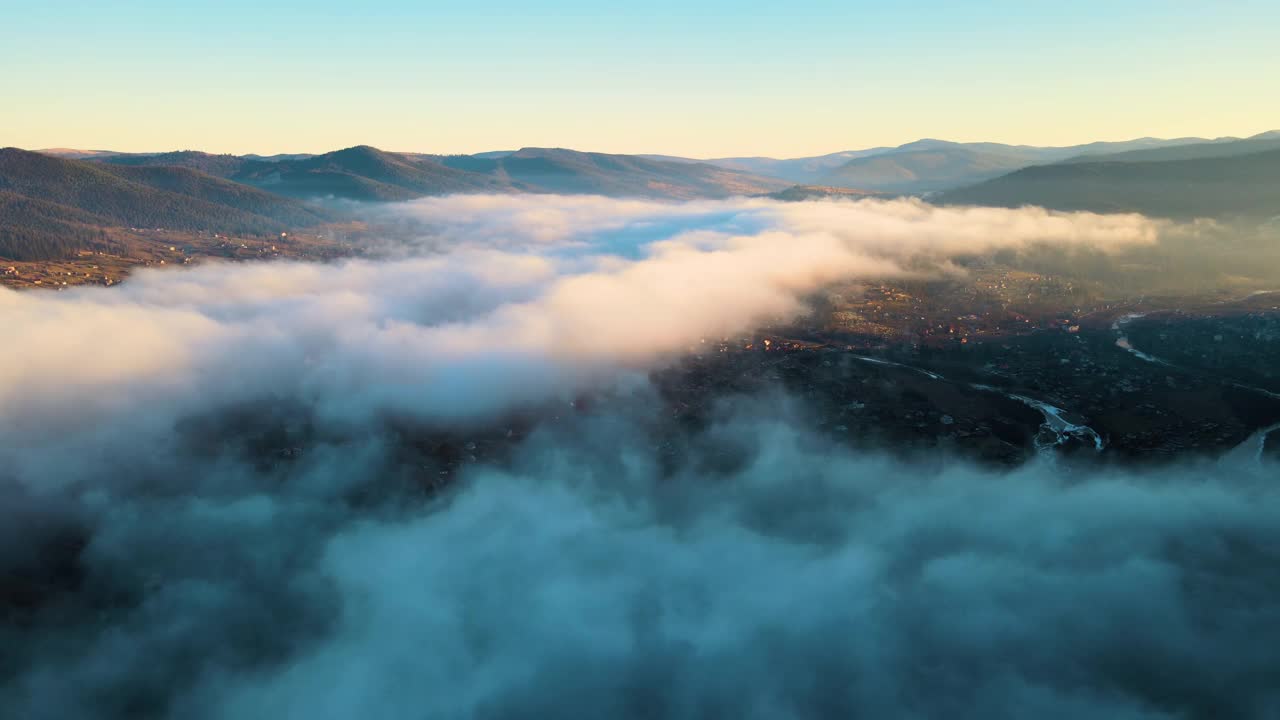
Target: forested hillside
(53, 207)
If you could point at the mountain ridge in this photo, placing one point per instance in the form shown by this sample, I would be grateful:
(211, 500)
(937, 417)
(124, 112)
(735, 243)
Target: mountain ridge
(366, 173)
(903, 169)
(919, 167)
(50, 199)
(1234, 186)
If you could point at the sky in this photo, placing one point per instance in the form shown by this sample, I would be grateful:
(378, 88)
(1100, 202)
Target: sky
(700, 78)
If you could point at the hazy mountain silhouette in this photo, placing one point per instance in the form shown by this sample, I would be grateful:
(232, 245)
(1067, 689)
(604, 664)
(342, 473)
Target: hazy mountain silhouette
(921, 167)
(192, 189)
(925, 169)
(77, 154)
(559, 170)
(799, 170)
(1217, 148)
(223, 166)
(367, 173)
(364, 173)
(929, 164)
(1221, 187)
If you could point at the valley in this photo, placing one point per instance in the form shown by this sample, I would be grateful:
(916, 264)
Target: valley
(119, 252)
(639, 361)
(1000, 387)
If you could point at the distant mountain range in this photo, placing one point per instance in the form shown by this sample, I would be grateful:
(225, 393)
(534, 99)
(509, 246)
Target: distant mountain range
(803, 170)
(915, 168)
(367, 173)
(1231, 185)
(930, 165)
(926, 169)
(57, 202)
(558, 170)
(363, 173)
(1217, 148)
(1180, 178)
(54, 201)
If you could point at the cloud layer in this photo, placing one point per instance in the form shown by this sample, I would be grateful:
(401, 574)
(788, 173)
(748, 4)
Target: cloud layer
(579, 579)
(518, 297)
(160, 559)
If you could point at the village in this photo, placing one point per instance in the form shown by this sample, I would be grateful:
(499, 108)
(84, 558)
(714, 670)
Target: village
(127, 250)
(969, 401)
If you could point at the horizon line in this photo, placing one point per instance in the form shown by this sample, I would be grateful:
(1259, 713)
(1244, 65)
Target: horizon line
(934, 138)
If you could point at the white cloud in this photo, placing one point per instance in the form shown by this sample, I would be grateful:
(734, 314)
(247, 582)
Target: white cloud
(179, 576)
(504, 316)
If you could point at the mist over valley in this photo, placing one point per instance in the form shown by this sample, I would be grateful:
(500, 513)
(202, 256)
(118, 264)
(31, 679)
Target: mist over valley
(685, 360)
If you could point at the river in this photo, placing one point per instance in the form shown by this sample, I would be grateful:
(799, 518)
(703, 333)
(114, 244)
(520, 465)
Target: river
(1054, 431)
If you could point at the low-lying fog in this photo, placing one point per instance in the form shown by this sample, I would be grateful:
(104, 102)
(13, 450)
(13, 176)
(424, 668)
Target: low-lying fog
(154, 568)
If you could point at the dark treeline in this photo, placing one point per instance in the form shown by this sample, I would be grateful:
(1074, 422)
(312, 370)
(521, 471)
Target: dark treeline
(34, 230)
(50, 208)
(32, 245)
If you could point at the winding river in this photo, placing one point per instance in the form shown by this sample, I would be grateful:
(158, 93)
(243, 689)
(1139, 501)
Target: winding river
(1054, 431)
(1057, 430)
(1058, 427)
(1122, 341)
(1256, 442)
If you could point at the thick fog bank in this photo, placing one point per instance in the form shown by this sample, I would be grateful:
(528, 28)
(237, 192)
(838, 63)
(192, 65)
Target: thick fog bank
(579, 580)
(212, 501)
(490, 303)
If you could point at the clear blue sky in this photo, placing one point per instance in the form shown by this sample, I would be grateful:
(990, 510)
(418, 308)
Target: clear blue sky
(696, 77)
